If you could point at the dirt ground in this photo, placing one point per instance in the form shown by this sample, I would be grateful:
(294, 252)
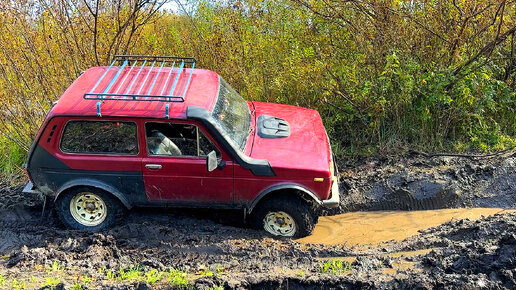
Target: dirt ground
(463, 235)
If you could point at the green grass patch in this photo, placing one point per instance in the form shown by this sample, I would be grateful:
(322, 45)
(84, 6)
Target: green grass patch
(15, 285)
(335, 267)
(175, 278)
(12, 157)
(51, 282)
(178, 279)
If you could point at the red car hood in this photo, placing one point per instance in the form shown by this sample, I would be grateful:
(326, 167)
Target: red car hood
(305, 153)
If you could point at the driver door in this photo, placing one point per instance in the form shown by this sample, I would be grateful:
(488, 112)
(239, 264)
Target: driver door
(175, 169)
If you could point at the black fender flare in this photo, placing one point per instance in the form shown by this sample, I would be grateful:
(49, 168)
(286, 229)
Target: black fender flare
(286, 186)
(96, 184)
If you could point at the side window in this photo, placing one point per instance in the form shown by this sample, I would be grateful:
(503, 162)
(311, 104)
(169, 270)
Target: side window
(100, 137)
(167, 139)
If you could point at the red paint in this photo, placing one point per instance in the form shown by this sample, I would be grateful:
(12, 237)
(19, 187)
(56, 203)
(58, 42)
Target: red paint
(297, 159)
(305, 153)
(201, 92)
(186, 179)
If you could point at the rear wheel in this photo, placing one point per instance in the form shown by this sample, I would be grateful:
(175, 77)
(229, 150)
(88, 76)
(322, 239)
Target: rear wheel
(284, 217)
(88, 209)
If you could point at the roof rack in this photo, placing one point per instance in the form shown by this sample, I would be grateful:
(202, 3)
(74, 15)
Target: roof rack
(136, 93)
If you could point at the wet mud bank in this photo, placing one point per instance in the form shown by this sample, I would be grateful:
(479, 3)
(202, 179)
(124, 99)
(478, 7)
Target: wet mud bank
(472, 244)
(415, 182)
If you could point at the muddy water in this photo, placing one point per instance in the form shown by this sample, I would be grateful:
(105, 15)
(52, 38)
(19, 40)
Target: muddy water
(362, 228)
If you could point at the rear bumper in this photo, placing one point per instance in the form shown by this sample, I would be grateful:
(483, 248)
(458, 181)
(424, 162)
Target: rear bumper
(334, 199)
(30, 189)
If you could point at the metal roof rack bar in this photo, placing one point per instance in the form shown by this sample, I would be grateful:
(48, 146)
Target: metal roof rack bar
(132, 97)
(177, 78)
(116, 77)
(121, 58)
(136, 77)
(137, 82)
(102, 77)
(146, 77)
(156, 78)
(168, 78)
(125, 78)
(189, 79)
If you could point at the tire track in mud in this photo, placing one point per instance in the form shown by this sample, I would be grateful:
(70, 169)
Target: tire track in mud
(194, 242)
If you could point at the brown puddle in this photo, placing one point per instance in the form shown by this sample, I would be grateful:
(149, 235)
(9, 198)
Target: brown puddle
(362, 228)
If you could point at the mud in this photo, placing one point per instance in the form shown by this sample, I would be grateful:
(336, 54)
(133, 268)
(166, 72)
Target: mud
(359, 228)
(413, 182)
(463, 248)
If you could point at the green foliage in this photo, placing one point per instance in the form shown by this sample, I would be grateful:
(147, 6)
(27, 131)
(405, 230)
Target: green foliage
(301, 273)
(335, 267)
(177, 278)
(55, 267)
(15, 285)
(51, 282)
(153, 276)
(2, 280)
(131, 274)
(12, 157)
(83, 282)
(382, 74)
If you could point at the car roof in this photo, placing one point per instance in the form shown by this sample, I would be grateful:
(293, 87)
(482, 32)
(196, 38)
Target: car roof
(201, 92)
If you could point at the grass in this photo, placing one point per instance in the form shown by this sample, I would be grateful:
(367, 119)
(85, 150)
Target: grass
(153, 276)
(173, 277)
(335, 267)
(177, 278)
(15, 285)
(51, 282)
(301, 273)
(54, 274)
(12, 157)
(55, 267)
(131, 274)
(83, 282)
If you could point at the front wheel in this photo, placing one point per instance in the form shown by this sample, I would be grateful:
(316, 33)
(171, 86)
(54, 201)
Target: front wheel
(88, 209)
(284, 217)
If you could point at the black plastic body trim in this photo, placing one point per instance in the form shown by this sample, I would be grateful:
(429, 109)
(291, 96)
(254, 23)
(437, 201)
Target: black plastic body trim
(303, 190)
(272, 127)
(258, 167)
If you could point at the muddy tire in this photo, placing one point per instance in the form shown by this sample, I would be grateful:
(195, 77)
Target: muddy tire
(284, 217)
(89, 209)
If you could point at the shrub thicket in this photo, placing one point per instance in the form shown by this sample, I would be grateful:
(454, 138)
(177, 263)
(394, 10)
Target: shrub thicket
(434, 75)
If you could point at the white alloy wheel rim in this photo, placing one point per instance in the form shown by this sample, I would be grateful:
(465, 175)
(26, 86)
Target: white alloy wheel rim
(279, 223)
(88, 209)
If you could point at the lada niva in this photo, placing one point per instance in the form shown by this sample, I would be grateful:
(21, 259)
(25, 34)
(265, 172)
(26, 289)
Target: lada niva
(151, 131)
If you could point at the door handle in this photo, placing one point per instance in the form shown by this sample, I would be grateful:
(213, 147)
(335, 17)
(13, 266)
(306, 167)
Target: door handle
(153, 166)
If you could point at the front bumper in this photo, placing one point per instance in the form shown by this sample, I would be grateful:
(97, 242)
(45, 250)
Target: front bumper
(334, 200)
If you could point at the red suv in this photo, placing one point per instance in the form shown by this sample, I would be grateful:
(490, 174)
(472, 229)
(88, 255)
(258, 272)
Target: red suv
(155, 131)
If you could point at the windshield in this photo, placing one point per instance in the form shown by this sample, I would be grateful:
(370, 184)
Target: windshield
(232, 113)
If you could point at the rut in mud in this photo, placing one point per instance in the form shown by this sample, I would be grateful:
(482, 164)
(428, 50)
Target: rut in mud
(467, 251)
(417, 183)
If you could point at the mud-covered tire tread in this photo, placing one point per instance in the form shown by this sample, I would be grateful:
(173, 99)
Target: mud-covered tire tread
(297, 208)
(115, 209)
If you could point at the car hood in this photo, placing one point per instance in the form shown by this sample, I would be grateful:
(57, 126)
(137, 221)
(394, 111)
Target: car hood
(305, 153)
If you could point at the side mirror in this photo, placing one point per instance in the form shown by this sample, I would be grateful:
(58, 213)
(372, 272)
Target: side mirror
(211, 161)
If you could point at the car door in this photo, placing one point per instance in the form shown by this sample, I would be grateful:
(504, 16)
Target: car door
(175, 169)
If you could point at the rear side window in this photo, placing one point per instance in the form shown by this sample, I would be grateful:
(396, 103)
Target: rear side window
(100, 137)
